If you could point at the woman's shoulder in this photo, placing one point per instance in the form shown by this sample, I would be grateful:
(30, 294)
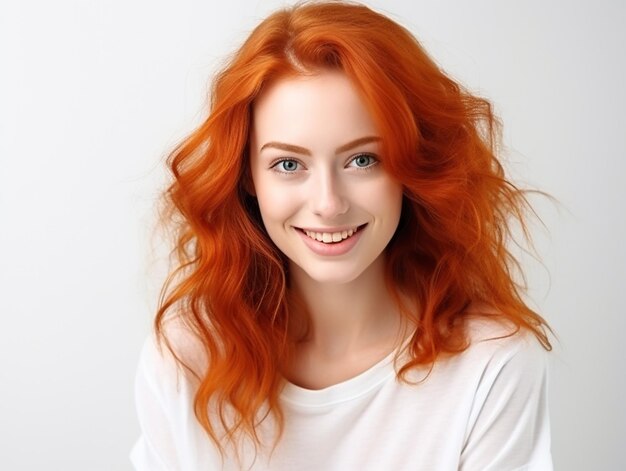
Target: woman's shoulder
(174, 351)
(495, 342)
(499, 356)
(484, 323)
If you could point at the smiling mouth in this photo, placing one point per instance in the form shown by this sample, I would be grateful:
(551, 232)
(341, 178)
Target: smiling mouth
(332, 237)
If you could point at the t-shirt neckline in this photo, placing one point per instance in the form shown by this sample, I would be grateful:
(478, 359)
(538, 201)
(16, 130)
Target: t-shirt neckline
(343, 391)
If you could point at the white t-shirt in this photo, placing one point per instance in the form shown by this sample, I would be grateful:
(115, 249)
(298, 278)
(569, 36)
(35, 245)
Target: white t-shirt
(482, 410)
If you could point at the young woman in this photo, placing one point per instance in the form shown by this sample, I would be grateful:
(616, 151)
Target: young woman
(344, 297)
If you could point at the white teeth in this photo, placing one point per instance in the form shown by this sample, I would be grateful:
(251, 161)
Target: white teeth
(328, 237)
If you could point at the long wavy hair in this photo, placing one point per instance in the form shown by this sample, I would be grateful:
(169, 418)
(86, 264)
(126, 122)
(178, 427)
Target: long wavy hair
(230, 286)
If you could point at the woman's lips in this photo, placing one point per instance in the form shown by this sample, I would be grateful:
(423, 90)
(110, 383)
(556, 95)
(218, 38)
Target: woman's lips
(331, 248)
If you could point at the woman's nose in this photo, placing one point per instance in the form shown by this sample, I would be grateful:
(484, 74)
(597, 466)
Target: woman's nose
(327, 196)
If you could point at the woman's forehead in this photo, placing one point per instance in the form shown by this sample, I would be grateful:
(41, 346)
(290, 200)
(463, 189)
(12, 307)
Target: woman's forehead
(325, 106)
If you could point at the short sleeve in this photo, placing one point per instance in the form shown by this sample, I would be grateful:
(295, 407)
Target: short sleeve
(509, 427)
(171, 436)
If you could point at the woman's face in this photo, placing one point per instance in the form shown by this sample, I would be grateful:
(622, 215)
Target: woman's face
(326, 201)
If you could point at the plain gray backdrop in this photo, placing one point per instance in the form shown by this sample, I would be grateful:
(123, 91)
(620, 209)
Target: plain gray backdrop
(93, 95)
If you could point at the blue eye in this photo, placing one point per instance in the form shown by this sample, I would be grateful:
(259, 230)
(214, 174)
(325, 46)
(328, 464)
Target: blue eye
(364, 160)
(286, 166)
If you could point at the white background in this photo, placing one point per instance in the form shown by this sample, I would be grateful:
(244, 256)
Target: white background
(93, 95)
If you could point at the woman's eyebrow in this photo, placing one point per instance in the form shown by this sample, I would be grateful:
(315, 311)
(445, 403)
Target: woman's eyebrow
(357, 142)
(287, 147)
(304, 151)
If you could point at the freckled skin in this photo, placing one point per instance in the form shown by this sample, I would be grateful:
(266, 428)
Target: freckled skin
(309, 184)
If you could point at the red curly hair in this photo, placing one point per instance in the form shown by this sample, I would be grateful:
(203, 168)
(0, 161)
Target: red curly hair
(450, 249)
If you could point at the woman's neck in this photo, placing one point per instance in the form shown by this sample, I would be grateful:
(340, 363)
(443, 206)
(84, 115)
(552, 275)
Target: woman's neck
(348, 318)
